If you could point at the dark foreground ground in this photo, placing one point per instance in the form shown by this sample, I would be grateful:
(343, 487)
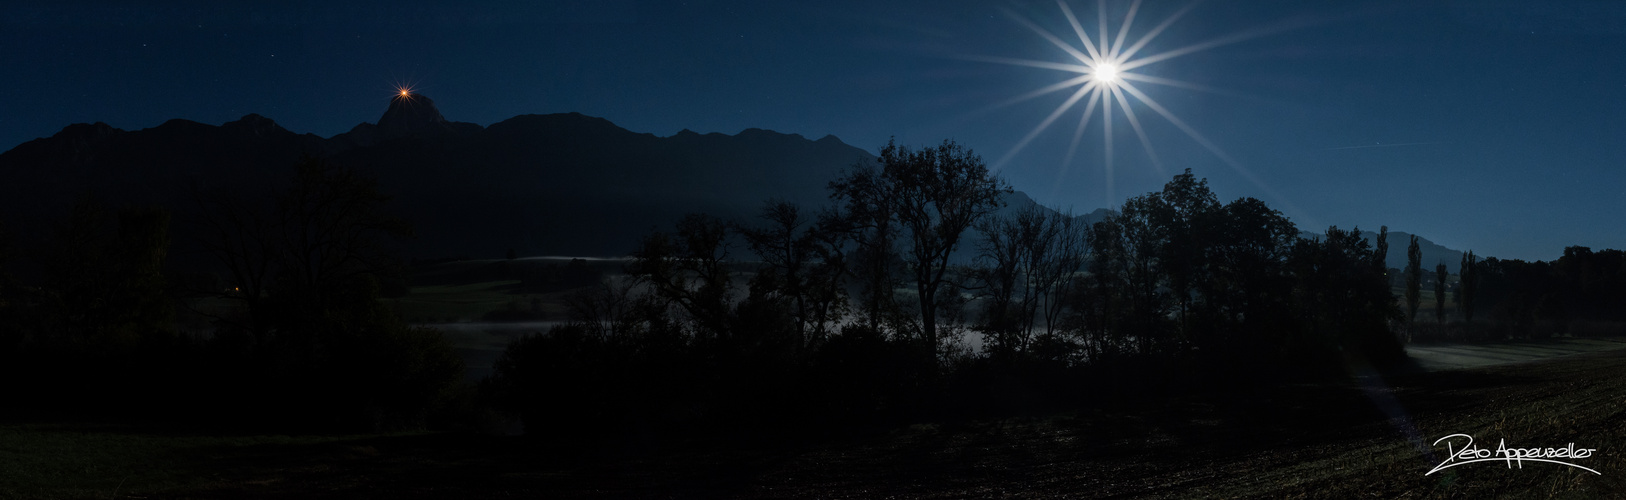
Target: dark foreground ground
(1368, 438)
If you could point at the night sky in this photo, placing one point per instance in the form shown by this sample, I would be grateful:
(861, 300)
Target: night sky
(1493, 126)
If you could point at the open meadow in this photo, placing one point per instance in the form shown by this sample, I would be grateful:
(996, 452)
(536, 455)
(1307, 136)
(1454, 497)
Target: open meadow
(1369, 436)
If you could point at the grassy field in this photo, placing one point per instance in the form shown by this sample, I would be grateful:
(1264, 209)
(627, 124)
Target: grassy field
(103, 461)
(1366, 438)
(1453, 356)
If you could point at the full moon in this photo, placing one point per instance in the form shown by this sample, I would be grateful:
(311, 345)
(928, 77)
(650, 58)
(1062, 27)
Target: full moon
(1106, 73)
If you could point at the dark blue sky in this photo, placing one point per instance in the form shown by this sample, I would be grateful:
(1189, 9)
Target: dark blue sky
(1494, 126)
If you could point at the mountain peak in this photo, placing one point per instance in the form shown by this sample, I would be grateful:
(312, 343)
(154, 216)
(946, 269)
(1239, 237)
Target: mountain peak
(256, 125)
(86, 131)
(410, 114)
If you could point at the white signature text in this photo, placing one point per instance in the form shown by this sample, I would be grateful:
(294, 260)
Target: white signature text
(1469, 453)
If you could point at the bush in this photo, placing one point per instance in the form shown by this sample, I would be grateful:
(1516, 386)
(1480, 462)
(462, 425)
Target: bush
(400, 375)
(568, 378)
(862, 376)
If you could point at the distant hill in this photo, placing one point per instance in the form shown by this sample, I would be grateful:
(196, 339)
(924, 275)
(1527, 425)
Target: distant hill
(557, 184)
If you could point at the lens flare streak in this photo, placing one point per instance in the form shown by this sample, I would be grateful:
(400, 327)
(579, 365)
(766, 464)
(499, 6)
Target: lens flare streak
(1103, 78)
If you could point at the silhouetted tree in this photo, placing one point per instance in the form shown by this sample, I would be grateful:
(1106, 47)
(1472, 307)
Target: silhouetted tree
(1380, 251)
(1002, 250)
(1128, 274)
(934, 194)
(875, 264)
(862, 375)
(1532, 299)
(1030, 261)
(1414, 283)
(803, 265)
(689, 269)
(1161, 249)
(1467, 287)
(609, 309)
(334, 228)
(15, 355)
(1108, 282)
(1592, 283)
(1344, 301)
(1183, 217)
(828, 291)
(5, 245)
(98, 317)
(11, 338)
(103, 285)
(306, 264)
(569, 378)
(1064, 258)
(1439, 295)
(1175, 272)
(1251, 297)
(322, 233)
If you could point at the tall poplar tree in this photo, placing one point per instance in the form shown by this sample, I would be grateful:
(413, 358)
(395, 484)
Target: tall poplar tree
(1439, 295)
(1466, 287)
(1414, 283)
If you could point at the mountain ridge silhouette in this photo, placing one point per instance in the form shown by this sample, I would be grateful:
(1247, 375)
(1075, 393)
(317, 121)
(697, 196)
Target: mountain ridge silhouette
(562, 184)
(542, 184)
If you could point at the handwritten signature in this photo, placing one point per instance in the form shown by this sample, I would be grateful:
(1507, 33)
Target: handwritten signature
(1469, 453)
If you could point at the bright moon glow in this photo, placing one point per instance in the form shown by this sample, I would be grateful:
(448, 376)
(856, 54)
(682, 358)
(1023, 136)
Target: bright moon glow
(1106, 73)
(1101, 75)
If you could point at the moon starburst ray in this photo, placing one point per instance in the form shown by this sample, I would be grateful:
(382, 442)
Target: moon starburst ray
(1106, 139)
(1052, 38)
(1134, 123)
(1046, 123)
(1105, 78)
(1157, 30)
(1157, 80)
(1118, 44)
(1181, 124)
(1209, 145)
(1079, 28)
(1078, 136)
(1076, 68)
(1048, 89)
(1101, 15)
(1199, 47)
(1083, 123)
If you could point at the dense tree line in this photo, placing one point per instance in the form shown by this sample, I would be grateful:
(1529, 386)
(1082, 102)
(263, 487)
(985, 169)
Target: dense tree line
(867, 310)
(293, 333)
(862, 312)
(1582, 292)
(90, 322)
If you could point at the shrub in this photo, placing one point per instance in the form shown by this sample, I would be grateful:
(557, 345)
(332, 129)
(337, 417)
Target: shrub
(568, 378)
